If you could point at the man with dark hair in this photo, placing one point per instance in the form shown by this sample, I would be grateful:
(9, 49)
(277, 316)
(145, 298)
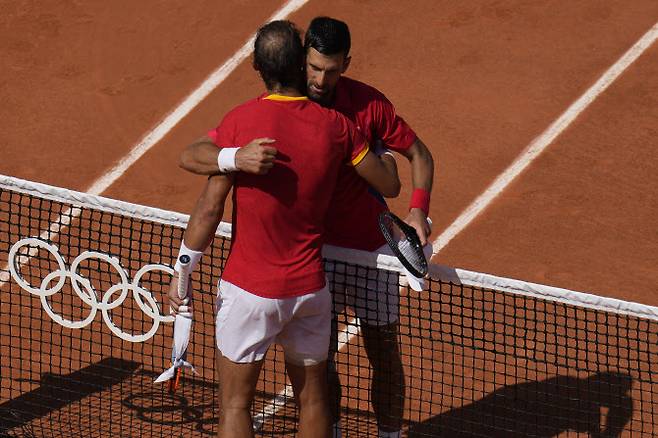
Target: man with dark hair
(352, 220)
(273, 287)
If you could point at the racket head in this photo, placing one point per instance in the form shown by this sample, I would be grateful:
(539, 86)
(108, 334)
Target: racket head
(404, 242)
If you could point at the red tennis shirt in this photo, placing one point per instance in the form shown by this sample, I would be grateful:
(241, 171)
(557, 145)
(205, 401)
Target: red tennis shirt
(279, 218)
(355, 206)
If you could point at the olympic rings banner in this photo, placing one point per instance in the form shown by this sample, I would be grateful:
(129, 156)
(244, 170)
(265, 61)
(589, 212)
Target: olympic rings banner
(112, 298)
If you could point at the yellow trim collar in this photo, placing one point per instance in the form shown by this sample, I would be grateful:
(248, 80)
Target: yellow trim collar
(282, 98)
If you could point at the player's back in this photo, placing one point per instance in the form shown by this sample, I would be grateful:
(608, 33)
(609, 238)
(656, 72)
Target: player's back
(279, 217)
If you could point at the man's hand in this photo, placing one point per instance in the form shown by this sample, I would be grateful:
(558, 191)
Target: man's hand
(418, 219)
(256, 157)
(175, 303)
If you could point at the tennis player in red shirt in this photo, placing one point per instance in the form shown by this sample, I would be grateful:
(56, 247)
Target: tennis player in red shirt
(352, 220)
(355, 207)
(273, 288)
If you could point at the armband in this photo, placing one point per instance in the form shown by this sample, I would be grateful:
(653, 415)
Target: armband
(194, 256)
(226, 160)
(420, 198)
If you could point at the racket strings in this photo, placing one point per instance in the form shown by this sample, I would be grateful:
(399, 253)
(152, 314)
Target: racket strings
(411, 252)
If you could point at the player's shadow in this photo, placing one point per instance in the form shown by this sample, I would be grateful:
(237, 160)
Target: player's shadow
(55, 391)
(600, 405)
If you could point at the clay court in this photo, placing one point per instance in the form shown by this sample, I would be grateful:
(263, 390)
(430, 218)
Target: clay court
(541, 116)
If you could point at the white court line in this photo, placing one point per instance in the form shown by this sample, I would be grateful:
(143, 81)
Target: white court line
(534, 149)
(167, 124)
(190, 102)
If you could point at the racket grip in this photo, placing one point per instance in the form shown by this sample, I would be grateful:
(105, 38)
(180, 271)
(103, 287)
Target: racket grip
(183, 274)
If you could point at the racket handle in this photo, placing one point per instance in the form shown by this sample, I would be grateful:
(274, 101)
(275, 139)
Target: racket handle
(174, 382)
(184, 263)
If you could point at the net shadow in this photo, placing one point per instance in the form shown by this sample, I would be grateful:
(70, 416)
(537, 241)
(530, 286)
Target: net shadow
(600, 405)
(56, 391)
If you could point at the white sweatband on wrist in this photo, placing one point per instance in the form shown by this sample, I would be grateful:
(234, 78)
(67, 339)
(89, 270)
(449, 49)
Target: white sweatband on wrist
(194, 256)
(226, 160)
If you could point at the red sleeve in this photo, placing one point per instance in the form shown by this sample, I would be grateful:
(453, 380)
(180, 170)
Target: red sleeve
(224, 134)
(354, 140)
(391, 128)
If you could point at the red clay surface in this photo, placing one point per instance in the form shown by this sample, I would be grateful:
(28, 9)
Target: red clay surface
(588, 202)
(85, 81)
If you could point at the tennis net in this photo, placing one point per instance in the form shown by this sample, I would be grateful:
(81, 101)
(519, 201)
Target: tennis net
(83, 334)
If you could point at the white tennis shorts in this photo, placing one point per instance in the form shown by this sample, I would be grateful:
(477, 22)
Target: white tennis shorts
(373, 294)
(246, 325)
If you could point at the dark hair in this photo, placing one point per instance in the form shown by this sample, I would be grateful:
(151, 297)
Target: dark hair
(328, 36)
(279, 54)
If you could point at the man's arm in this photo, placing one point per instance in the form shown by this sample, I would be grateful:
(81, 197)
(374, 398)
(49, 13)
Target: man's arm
(201, 157)
(203, 223)
(422, 177)
(381, 173)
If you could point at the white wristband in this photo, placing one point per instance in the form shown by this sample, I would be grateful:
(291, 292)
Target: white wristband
(226, 160)
(194, 256)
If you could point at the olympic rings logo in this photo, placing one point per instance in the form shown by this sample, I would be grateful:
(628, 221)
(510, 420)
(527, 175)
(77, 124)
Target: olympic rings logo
(114, 297)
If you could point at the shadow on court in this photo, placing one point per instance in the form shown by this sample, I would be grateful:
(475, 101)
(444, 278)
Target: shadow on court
(193, 410)
(600, 405)
(56, 391)
(190, 407)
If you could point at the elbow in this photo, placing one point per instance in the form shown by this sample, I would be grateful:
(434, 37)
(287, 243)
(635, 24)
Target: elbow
(184, 161)
(211, 203)
(395, 192)
(392, 190)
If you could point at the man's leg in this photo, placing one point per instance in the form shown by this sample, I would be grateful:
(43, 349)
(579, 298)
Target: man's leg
(387, 387)
(337, 279)
(305, 342)
(335, 388)
(237, 386)
(377, 306)
(310, 386)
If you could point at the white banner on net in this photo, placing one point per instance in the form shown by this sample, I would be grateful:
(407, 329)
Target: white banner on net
(375, 260)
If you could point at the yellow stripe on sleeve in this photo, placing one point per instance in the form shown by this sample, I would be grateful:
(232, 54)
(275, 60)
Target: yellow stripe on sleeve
(356, 160)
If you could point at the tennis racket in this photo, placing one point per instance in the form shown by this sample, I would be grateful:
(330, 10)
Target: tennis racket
(183, 276)
(404, 242)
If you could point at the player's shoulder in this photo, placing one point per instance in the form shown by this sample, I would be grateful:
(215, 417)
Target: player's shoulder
(244, 108)
(249, 104)
(336, 118)
(360, 89)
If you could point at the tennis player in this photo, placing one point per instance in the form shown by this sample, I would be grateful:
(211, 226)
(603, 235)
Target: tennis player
(273, 288)
(352, 220)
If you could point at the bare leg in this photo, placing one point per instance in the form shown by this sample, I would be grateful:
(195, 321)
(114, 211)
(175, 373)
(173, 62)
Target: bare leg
(335, 390)
(237, 383)
(310, 386)
(387, 387)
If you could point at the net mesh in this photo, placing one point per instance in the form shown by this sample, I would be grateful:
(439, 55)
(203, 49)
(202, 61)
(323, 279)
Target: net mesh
(83, 334)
